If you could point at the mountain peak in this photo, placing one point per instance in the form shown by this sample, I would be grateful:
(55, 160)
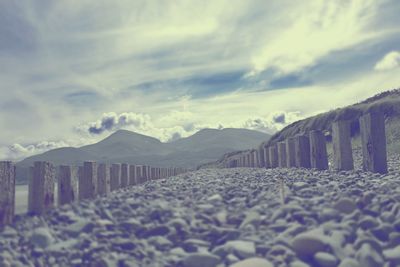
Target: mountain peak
(128, 134)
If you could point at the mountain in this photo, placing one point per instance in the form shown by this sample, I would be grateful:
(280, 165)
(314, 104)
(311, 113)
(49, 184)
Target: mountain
(387, 102)
(129, 147)
(219, 139)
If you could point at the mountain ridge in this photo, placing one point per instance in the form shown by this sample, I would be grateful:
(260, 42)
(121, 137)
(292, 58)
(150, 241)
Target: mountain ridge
(125, 146)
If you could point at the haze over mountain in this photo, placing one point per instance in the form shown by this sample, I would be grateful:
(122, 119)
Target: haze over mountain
(129, 147)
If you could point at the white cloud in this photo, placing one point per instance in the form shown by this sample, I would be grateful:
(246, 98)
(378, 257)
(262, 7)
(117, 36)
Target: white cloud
(390, 61)
(312, 31)
(20, 151)
(273, 122)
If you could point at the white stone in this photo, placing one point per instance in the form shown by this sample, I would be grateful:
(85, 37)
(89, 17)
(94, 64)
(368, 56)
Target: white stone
(242, 249)
(253, 262)
(325, 259)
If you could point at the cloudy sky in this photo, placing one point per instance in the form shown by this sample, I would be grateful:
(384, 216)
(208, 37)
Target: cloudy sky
(72, 72)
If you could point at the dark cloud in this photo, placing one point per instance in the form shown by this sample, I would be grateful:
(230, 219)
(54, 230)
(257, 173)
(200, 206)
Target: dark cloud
(281, 118)
(175, 136)
(112, 121)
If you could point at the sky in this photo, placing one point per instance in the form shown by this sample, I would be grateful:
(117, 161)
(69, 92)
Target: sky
(73, 72)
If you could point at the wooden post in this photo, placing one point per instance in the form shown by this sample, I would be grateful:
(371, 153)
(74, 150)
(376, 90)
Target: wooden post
(124, 175)
(138, 174)
(282, 155)
(373, 141)
(273, 156)
(302, 151)
(43, 179)
(267, 162)
(7, 192)
(67, 185)
(290, 152)
(252, 159)
(148, 178)
(256, 159)
(115, 176)
(261, 158)
(103, 179)
(132, 175)
(144, 174)
(319, 156)
(30, 188)
(341, 142)
(88, 181)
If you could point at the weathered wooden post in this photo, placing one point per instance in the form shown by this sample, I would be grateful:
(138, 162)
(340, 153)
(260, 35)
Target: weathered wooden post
(148, 173)
(144, 174)
(267, 162)
(273, 156)
(30, 193)
(124, 175)
(290, 152)
(252, 159)
(132, 175)
(115, 176)
(7, 192)
(67, 185)
(302, 151)
(256, 159)
(88, 181)
(261, 158)
(139, 175)
(282, 155)
(373, 141)
(319, 156)
(42, 188)
(153, 176)
(341, 143)
(103, 179)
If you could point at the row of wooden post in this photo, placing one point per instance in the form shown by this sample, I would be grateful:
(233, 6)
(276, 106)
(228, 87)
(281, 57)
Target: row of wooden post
(309, 151)
(74, 183)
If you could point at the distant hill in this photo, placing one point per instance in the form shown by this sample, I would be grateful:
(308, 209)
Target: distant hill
(387, 102)
(129, 147)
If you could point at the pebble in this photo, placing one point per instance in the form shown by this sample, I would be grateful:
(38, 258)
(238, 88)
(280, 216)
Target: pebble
(242, 249)
(308, 243)
(41, 237)
(253, 262)
(349, 262)
(221, 217)
(345, 205)
(367, 256)
(201, 260)
(325, 259)
(393, 255)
